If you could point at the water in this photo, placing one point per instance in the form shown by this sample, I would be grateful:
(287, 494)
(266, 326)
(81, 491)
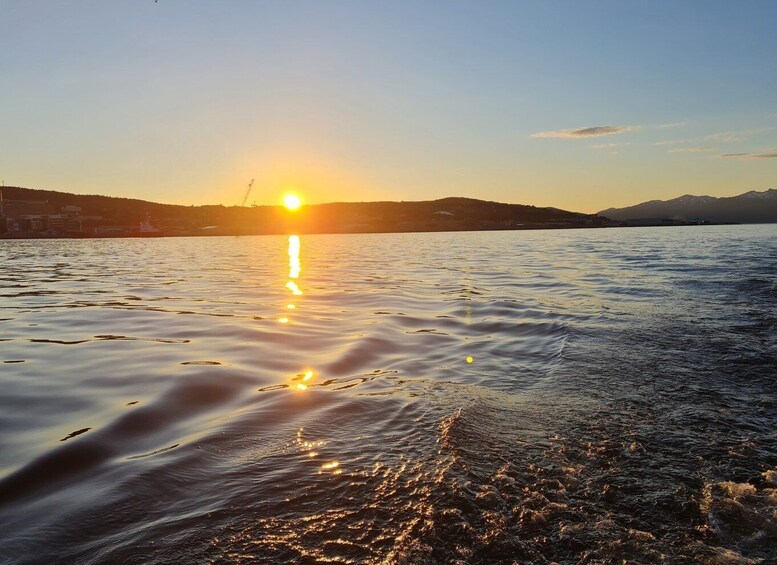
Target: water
(587, 396)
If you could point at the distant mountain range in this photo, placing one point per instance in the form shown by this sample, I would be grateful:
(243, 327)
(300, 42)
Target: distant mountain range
(750, 207)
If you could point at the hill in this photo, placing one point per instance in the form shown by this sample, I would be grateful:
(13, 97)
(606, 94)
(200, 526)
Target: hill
(750, 207)
(45, 213)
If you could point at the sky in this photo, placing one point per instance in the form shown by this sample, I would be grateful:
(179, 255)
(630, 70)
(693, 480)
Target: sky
(580, 105)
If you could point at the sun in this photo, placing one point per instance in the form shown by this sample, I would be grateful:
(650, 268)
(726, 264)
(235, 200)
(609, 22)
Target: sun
(292, 201)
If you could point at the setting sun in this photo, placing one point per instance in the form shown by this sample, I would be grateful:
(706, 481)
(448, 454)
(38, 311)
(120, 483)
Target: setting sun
(292, 201)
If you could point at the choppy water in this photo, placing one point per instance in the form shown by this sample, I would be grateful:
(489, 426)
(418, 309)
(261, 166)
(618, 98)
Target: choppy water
(587, 396)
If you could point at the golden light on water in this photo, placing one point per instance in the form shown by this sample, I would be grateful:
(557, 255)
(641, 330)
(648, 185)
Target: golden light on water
(294, 270)
(332, 466)
(292, 286)
(310, 448)
(292, 201)
(301, 381)
(305, 377)
(294, 263)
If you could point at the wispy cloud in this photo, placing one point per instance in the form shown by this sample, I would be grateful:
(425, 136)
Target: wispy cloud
(692, 150)
(672, 125)
(726, 137)
(749, 156)
(722, 137)
(605, 145)
(596, 131)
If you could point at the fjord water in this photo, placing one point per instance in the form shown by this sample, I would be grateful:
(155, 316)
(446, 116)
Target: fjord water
(587, 396)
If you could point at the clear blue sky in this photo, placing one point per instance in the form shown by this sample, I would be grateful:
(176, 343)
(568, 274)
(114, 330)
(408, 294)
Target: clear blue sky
(574, 104)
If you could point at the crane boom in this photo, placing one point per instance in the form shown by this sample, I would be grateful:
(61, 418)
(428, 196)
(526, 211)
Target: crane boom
(248, 193)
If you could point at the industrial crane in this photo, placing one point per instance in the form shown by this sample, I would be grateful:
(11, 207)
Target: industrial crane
(248, 193)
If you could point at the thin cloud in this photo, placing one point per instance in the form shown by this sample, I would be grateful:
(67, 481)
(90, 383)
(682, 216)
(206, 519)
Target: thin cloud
(722, 137)
(596, 131)
(726, 137)
(692, 150)
(673, 125)
(749, 156)
(605, 145)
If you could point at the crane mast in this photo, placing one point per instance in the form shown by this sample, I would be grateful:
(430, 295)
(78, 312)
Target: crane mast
(248, 193)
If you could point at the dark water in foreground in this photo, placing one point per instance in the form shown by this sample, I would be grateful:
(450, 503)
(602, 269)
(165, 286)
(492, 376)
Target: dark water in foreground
(161, 403)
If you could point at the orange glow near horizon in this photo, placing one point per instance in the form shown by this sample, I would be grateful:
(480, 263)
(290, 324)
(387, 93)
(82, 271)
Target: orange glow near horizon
(292, 202)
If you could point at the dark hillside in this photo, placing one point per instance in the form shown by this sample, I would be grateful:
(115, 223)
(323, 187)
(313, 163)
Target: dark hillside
(32, 212)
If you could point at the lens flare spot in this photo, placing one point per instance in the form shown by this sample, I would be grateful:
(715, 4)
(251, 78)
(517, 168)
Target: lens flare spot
(290, 306)
(469, 359)
(300, 386)
(283, 320)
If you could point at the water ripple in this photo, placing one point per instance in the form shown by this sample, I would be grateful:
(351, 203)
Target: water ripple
(584, 396)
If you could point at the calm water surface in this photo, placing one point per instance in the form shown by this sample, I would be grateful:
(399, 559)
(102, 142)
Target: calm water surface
(587, 396)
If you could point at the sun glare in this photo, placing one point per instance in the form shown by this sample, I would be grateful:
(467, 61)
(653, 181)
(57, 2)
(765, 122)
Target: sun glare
(292, 201)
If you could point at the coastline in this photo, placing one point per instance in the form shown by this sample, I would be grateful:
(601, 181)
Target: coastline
(366, 231)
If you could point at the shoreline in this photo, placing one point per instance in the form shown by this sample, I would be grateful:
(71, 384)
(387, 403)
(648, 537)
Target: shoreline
(361, 232)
